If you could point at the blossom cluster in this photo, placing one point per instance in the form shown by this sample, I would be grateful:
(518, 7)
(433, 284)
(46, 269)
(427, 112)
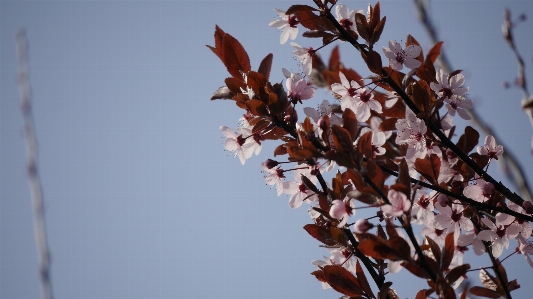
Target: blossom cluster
(386, 142)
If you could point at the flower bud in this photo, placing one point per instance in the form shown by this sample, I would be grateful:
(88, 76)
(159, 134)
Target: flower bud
(361, 226)
(269, 163)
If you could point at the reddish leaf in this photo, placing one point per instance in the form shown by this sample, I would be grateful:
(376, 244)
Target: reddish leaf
(375, 174)
(350, 123)
(364, 145)
(266, 66)
(457, 272)
(376, 34)
(320, 233)
(423, 167)
(334, 59)
(447, 254)
(415, 269)
(384, 290)
(362, 26)
(412, 41)
(299, 7)
(375, 14)
(307, 182)
(388, 125)
(434, 52)
(400, 246)
(376, 248)
(484, 292)
(234, 56)
(391, 229)
(257, 107)
(280, 150)
(338, 235)
(319, 275)
(342, 139)
(468, 140)
(342, 280)
(363, 282)
(404, 178)
(355, 177)
(421, 295)
(373, 61)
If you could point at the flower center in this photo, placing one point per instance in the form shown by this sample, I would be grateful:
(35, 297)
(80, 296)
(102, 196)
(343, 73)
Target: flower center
(439, 232)
(400, 57)
(417, 136)
(446, 92)
(365, 97)
(500, 231)
(302, 188)
(279, 173)
(241, 140)
(293, 22)
(423, 202)
(352, 91)
(347, 24)
(456, 216)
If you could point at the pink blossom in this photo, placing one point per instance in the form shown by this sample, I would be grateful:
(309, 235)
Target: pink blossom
(481, 191)
(490, 148)
(525, 248)
(448, 86)
(297, 189)
(237, 144)
(345, 17)
(342, 210)
(453, 219)
(458, 104)
(298, 89)
(423, 208)
(517, 224)
(399, 204)
(356, 98)
(287, 23)
(498, 234)
(275, 176)
(305, 55)
(399, 57)
(411, 131)
(361, 226)
(435, 234)
(323, 109)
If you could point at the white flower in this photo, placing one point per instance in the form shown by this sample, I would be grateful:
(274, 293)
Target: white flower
(422, 211)
(481, 191)
(305, 55)
(453, 219)
(399, 57)
(241, 147)
(298, 89)
(411, 131)
(342, 210)
(356, 98)
(287, 23)
(490, 148)
(275, 176)
(323, 109)
(447, 87)
(399, 204)
(297, 189)
(458, 104)
(498, 234)
(345, 17)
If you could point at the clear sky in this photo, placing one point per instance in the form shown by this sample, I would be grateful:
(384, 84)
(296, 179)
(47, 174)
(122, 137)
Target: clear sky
(141, 200)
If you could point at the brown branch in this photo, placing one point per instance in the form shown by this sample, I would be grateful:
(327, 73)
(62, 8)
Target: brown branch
(32, 159)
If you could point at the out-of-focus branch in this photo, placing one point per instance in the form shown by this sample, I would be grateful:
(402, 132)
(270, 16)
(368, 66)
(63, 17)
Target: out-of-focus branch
(31, 156)
(507, 29)
(507, 160)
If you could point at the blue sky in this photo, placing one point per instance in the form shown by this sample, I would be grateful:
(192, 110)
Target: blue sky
(141, 200)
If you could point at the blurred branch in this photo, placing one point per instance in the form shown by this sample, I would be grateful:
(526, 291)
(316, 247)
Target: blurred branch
(31, 156)
(513, 170)
(507, 29)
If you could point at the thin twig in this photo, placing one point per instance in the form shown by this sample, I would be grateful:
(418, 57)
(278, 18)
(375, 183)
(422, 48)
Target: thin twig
(507, 160)
(32, 158)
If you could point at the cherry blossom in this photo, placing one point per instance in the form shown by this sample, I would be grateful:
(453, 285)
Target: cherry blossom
(240, 146)
(498, 234)
(378, 140)
(375, 122)
(298, 89)
(399, 57)
(253, 139)
(288, 23)
(471, 239)
(525, 248)
(297, 189)
(342, 210)
(361, 226)
(453, 219)
(356, 98)
(448, 86)
(481, 191)
(345, 17)
(458, 104)
(411, 131)
(323, 109)
(437, 235)
(523, 227)
(275, 176)
(422, 211)
(305, 55)
(399, 204)
(490, 148)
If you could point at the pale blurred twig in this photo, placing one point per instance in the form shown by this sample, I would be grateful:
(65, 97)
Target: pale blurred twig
(507, 161)
(31, 155)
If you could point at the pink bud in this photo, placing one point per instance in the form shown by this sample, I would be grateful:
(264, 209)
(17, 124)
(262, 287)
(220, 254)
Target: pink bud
(361, 226)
